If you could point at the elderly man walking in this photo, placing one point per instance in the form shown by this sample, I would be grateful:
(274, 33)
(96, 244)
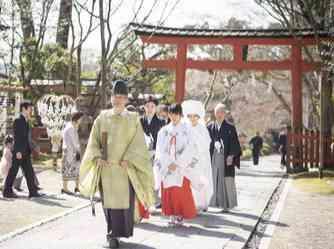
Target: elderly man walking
(225, 153)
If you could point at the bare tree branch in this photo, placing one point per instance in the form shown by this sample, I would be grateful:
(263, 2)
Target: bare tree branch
(210, 92)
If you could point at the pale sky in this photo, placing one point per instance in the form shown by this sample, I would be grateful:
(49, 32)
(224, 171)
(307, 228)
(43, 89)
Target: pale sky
(187, 12)
(190, 12)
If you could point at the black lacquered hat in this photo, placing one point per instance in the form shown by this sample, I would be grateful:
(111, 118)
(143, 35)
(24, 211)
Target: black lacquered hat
(120, 88)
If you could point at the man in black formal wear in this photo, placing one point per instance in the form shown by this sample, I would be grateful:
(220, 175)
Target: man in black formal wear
(225, 153)
(151, 125)
(22, 154)
(150, 122)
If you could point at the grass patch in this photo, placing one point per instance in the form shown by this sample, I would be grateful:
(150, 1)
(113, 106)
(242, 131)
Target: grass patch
(44, 161)
(311, 184)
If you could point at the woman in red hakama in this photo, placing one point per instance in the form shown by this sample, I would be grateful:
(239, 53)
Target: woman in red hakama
(178, 201)
(176, 159)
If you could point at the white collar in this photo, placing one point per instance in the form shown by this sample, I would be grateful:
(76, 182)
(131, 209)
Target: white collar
(178, 126)
(26, 119)
(149, 116)
(218, 124)
(123, 113)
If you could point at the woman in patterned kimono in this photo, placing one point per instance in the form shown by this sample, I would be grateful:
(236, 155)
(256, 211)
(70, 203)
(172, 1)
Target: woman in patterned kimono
(176, 159)
(71, 154)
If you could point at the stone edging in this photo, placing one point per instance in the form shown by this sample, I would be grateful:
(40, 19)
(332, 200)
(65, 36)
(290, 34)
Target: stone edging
(252, 239)
(274, 218)
(301, 174)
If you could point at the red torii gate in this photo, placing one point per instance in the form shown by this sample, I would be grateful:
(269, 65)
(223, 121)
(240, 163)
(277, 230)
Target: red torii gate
(239, 40)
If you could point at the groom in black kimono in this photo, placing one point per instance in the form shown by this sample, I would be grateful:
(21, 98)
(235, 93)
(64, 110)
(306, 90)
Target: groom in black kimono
(151, 125)
(225, 153)
(150, 121)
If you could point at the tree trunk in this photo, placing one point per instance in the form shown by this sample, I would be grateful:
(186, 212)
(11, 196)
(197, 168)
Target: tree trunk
(210, 91)
(78, 73)
(64, 22)
(325, 120)
(103, 58)
(12, 45)
(28, 31)
(27, 22)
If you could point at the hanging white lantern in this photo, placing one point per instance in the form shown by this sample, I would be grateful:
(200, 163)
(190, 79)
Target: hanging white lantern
(53, 111)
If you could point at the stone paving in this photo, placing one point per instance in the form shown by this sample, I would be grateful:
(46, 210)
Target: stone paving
(308, 221)
(17, 213)
(212, 230)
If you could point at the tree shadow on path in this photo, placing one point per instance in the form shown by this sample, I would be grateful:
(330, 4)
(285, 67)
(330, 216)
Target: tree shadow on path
(188, 230)
(129, 245)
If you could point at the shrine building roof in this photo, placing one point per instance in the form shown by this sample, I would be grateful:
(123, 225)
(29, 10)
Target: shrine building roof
(144, 29)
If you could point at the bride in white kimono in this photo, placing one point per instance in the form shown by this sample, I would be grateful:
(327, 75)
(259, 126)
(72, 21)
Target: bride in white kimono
(194, 113)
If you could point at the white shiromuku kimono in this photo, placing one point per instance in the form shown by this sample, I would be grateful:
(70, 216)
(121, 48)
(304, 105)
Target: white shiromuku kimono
(176, 144)
(202, 137)
(203, 195)
(71, 146)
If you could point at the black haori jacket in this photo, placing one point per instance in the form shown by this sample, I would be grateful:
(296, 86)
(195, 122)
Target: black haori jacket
(228, 134)
(153, 128)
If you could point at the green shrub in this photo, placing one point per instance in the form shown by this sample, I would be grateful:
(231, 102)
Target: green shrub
(246, 154)
(266, 149)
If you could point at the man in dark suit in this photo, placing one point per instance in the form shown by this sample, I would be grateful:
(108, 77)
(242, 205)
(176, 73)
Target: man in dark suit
(256, 143)
(150, 121)
(22, 154)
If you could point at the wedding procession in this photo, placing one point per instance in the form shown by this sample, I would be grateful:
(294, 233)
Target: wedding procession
(166, 124)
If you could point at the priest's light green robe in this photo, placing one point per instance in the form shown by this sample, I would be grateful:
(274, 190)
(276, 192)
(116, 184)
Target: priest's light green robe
(125, 142)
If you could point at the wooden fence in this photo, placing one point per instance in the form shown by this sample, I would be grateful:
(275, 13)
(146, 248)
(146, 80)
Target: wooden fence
(304, 149)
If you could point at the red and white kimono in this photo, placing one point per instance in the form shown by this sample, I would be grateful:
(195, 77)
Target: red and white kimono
(176, 145)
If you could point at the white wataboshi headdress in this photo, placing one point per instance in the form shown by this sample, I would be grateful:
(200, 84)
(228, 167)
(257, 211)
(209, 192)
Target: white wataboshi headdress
(193, 107)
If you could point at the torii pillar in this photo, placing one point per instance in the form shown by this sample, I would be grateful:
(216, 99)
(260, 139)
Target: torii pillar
(297, 101)
(180, 72)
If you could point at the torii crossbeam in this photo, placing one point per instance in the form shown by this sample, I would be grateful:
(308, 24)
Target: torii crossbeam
(238, 39)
